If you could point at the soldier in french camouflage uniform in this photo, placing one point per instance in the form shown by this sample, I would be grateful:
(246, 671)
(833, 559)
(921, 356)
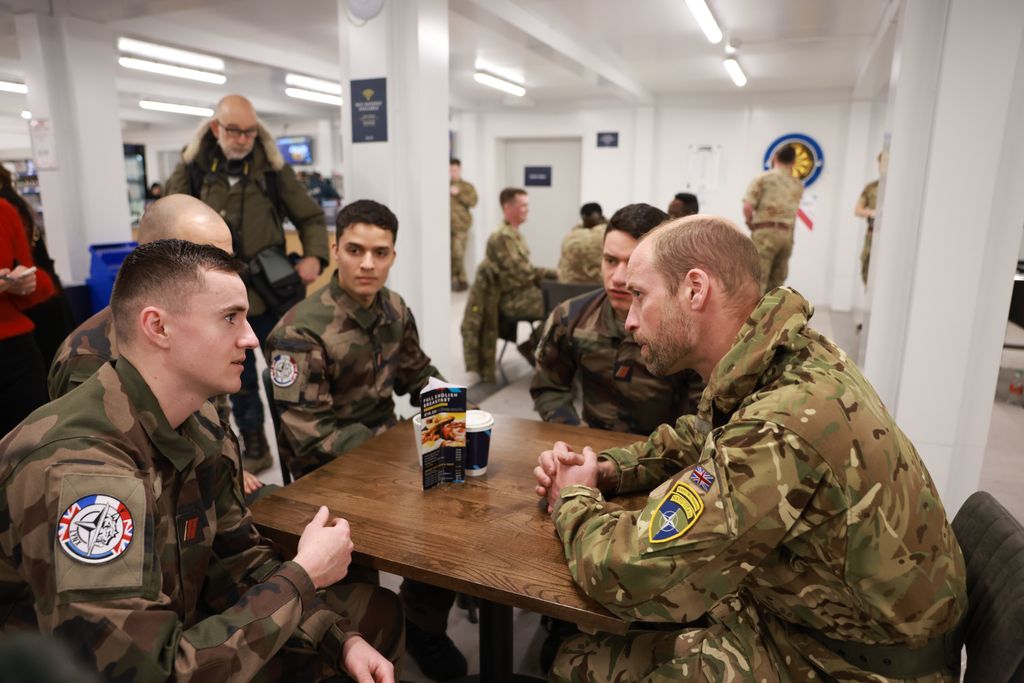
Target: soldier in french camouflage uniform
(581, 249)
(792, 532)
(866, 207)
(585, 337)
(769, 208)
(463, 198)
(122, 528)
(93, 343)
(336, 361)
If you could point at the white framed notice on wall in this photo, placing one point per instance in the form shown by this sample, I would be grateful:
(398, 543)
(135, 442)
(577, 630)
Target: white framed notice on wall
(703, 167)
(44, 147)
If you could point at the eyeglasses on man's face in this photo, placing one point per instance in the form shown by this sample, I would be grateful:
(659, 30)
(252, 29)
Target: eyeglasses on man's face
(236, 132)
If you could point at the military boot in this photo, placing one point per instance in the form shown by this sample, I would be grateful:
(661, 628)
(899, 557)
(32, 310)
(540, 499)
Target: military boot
(434, 653)
(256, 455)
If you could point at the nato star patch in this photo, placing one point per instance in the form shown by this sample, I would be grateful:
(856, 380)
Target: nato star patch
(283, 370)
(675, 514)
(95, 529)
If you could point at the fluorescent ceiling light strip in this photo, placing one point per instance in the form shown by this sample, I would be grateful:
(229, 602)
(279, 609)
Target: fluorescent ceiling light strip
(154, 105)
(498, 83)
(11, 86)
(300, 94)
(299, 81)
(169, 54)
(706, 21)
(735, 72)
(26, 114)
(170, 70)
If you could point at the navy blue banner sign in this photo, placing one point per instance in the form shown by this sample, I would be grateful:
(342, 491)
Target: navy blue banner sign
(369, 110)
(537, 176)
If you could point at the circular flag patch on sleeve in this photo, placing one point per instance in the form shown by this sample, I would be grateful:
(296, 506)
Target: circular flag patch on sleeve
(283, 370)
(96, 529)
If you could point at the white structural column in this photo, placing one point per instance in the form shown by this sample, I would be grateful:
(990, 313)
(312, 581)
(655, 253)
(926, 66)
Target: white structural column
(407, 43)
(851, 229)
(950, 229)
(69, 68)
(643, 157)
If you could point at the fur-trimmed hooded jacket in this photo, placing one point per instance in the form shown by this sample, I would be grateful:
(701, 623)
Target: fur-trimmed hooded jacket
(246, 206)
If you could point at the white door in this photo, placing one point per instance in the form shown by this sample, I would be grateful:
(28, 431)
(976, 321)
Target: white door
(554, 208)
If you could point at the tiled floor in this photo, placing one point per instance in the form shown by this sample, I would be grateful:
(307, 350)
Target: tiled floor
(1002, 475)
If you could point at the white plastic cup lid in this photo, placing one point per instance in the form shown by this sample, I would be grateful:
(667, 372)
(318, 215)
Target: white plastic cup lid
(478, 420)
(417, 420)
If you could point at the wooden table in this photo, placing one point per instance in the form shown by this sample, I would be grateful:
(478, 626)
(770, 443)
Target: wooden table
(488, 537)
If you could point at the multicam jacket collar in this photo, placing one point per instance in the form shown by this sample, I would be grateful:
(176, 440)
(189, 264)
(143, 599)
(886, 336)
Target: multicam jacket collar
(188, 444)
(774, 325)
(610, 323)
(367, 317)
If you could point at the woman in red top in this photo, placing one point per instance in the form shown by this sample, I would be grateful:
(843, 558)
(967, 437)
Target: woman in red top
(22, 374)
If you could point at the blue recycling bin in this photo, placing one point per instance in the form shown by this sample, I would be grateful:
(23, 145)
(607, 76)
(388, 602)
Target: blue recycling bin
(105, 262)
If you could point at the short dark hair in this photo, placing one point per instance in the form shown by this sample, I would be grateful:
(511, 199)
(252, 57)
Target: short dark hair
(636, 220)
(690, 203)
(454, 162)
(509, 194)
(369, 212)
(786, 154)
(589, 208)
(165, 272)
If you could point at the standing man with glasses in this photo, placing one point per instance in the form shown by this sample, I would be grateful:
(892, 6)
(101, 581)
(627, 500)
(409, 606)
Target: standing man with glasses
(254, 191)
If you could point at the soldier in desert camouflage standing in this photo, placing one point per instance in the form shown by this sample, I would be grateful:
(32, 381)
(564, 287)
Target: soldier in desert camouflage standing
(122, 528)
(791, 532)
(463, 196)
(769, 208)
(580, 260)
(336, 361)
(867, 206)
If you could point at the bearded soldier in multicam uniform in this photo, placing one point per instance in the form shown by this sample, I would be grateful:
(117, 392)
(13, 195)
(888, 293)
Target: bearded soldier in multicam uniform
(791, 533)
(122, 528)
(463, 198)
(336, 361)
(580, 260)
(585, 337)
(770, 207)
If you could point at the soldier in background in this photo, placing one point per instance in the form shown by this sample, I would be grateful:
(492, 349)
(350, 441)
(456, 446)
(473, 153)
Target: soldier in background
(463, 196)
(336, 361)
(581, 248)
(769, 208)
(866, 207)
(124, 533)
(790, 522)
(683, 204)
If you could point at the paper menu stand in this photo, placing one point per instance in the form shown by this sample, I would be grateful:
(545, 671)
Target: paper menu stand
(443, 416)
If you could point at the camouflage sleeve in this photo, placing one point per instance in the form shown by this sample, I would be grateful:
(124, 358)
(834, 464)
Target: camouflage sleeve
(513, 270)
(753, 195)
(67, 372)
(303, 395)
(467, 195)
(115, 614)
(414, 367)
(305, 214)
(700, 533)
(543, 273)
(178, 182)
(551, 387)
(645, 464)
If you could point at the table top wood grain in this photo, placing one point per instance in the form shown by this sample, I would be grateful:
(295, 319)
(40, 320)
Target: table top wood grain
(489, 537)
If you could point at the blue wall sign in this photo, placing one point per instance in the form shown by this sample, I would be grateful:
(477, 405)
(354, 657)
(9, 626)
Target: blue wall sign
(608, 139)
(810, 160)
(369, 110)
(537, 176)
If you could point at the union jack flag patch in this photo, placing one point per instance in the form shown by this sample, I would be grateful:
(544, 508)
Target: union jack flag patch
(702, 478)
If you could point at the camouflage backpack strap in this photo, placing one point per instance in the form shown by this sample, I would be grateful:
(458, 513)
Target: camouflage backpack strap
(577, 308)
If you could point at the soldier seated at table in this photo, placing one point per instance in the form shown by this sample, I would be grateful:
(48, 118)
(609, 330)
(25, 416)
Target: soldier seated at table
(585, 340)
(122, 528)
(580, 260)
(336, 360)
(791, 530)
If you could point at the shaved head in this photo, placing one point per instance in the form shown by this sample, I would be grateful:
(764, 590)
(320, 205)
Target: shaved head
(183, 217)
(235, 126)
(231, 106)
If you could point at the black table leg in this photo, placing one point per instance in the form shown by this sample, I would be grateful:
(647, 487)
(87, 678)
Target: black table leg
(496, 642)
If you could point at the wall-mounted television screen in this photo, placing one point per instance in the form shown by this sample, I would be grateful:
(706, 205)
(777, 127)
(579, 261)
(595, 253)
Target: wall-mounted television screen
(297, 151)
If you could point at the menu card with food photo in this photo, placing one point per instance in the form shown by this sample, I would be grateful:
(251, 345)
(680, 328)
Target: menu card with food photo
(443, 435)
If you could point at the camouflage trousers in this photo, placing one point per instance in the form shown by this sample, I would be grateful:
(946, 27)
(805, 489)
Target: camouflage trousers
(459, 238)
(774, 246)
(729, 650)
(865, 258)
(373, 611)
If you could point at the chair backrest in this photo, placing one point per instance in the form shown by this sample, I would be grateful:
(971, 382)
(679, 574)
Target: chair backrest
(992, 541)
(556, 292)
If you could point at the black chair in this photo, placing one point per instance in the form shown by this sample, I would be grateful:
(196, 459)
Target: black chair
(992, 541)
(275, 416)
(556, 292)
(508, 333)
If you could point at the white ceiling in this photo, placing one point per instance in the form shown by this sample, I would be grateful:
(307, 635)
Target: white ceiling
(563, 51)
